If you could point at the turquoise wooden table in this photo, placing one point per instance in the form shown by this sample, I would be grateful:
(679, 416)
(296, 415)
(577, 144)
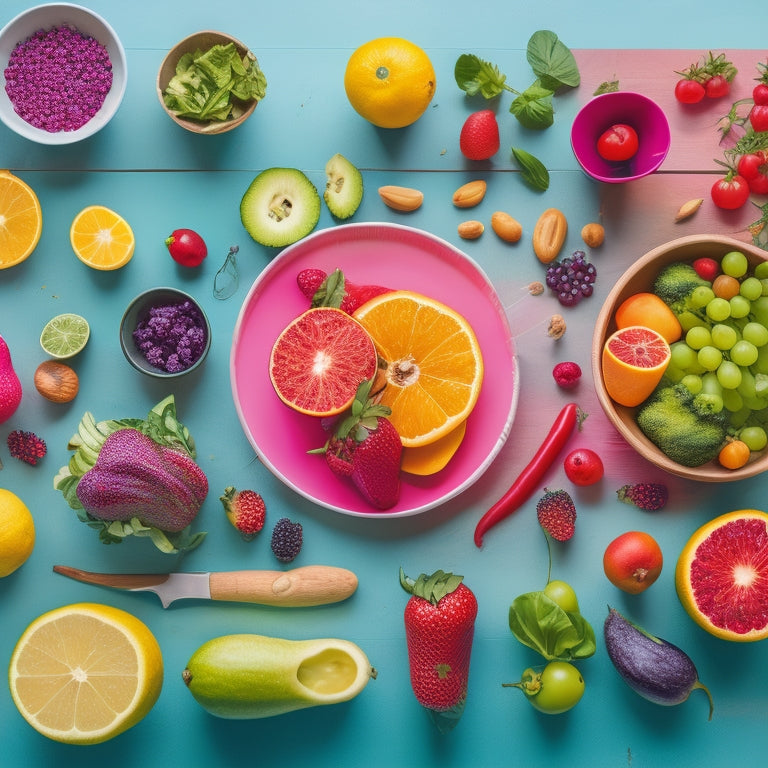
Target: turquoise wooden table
(160, 178)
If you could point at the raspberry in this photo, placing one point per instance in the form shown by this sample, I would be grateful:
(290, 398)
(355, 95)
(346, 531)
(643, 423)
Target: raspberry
(26, 446)
(479, 139)
(566, 374)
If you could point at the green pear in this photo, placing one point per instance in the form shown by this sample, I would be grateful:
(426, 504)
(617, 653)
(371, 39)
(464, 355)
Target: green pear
(250, 676)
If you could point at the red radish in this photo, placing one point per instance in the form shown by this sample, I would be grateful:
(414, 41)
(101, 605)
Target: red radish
(186, 247)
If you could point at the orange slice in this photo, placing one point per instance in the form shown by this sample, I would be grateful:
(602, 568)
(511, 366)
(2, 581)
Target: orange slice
(722, 576)
(634, 360)
(21, 220)
(649, 310)
(433, 363)
(431, 458)
(101, 238)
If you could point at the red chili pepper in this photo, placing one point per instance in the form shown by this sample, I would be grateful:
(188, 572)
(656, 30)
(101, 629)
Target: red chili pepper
(571, 416)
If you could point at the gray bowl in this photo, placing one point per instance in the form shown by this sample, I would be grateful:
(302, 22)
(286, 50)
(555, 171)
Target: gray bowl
(138, 310)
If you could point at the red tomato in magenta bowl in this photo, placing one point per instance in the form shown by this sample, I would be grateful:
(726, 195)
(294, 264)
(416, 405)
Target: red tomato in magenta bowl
(599, 123)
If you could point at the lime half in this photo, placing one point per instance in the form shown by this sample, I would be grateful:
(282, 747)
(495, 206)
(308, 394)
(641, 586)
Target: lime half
(65, 335)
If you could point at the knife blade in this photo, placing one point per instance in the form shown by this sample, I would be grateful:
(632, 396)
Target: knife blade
(306, 586)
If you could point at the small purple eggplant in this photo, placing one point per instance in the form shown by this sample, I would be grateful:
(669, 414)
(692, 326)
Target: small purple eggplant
(652, 667)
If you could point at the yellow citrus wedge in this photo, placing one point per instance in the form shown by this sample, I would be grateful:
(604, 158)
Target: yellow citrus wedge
(431, 458)
(434, 366)
(390, 82)
(722, 576)
(21, 220)
(101, 238)
(83, 673)
(634, 360)
(17, 532)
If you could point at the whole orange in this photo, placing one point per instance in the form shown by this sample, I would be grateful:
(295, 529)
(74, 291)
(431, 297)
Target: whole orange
(390, 82)
(649, 310)
(633, 561)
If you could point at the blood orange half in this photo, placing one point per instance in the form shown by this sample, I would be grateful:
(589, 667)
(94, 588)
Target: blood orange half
(634, 360)
(319, 360)
(722, 576)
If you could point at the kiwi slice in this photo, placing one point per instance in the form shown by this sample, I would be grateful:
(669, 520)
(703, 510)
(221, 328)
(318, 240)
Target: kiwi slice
(344, 188)
(280, 206)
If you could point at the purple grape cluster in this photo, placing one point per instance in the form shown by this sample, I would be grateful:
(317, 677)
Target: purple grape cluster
(571, 278)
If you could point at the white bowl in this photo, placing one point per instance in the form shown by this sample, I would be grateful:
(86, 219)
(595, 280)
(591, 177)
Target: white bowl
(89, 23)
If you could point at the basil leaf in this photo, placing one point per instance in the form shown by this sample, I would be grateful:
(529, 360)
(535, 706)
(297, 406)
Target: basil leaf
(532, 169)
(552, 61)
(473, 75)
(533, 108)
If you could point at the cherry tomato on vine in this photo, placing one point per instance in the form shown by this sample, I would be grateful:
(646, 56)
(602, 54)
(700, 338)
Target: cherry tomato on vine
(618, 143)
(716, 87)
(758, 116)
(689, 91)
(730, 192)
(754, 168)
(760, 94)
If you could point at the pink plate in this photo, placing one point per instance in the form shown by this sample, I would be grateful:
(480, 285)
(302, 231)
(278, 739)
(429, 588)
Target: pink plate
(396, 257)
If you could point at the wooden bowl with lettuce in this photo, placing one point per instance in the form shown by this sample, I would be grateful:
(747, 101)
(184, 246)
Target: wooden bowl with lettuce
(210, 82)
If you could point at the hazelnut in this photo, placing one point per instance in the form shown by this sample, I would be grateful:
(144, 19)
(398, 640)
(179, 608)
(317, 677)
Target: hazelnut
(56, 381)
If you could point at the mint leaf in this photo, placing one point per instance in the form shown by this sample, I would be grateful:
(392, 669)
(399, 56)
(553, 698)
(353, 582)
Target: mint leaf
(473, 75)
(532, 169)
(533, 108)
(552, 61)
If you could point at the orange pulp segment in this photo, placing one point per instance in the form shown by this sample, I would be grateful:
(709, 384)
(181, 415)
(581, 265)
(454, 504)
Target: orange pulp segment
(101, 238)
(634, 360)
(431, 458)
(21, 220)
(432, 361)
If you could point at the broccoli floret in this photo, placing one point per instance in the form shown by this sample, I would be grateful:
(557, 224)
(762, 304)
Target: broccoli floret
(683, 426)
(675, 283)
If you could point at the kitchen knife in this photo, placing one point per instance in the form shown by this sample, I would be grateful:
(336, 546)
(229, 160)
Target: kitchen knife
(300, 587)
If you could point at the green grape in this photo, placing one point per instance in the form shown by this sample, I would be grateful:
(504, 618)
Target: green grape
(740, 307)
(724, 336)
(755, 334)
(682, 356)
(710, 385)
(698, 337)
(729, 375)
(701, 296)
(688, 320)
(751, 288)
(761, 364)
(718, 309)
(748, 387)
(759, 310)
(755, 403)
(673, 373)
(738, 419)
(761, 270)
(764, 283)
(692, 383)
(743, 353)
(732, 401)
(761, 385)
(709, 402)
(735, 264)
(755, 438)
(710, 358)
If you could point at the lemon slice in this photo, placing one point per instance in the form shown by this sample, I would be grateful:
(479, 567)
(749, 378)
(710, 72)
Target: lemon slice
(83, 673)
(101, 238)
(65, 335)
(21, 220)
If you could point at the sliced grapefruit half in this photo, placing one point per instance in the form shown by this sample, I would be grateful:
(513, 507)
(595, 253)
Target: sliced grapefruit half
(722, 576)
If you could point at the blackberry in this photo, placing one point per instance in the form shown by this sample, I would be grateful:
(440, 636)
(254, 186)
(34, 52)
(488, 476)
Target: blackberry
(571, 278)
(26, 446)
(287, 538)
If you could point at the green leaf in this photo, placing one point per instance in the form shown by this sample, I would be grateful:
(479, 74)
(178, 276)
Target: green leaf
(552, 61)
(532, 169)
(607, 86)
(473, 75)
(533, 108)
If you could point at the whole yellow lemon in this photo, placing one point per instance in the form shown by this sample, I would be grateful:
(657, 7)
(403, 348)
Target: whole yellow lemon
(17, 532)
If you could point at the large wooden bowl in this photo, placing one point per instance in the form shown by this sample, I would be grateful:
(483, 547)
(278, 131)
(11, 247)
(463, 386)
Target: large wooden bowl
(640, 277)
(202, 41)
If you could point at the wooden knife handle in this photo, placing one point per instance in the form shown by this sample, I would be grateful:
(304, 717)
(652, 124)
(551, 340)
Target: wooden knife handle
(305, 586)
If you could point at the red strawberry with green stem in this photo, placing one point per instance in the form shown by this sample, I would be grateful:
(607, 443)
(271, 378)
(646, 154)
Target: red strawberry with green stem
(557, 514)
(479, 138)
(439, 629)
(245, 510)
(333, 290)
(366, 448)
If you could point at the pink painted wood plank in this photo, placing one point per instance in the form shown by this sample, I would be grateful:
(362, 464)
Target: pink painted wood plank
(695, 139)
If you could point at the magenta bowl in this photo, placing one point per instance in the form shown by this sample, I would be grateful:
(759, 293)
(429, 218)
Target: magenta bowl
(634, 109)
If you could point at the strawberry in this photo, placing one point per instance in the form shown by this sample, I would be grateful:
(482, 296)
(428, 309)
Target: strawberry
(647, 496)
(334, 290)
(557, 514)
(479, 139)
(366, 449)
(245, 510)
(439, 628)
(567, 374)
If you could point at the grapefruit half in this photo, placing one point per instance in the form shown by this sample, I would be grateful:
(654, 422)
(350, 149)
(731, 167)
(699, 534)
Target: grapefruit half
(319, 360)
(722, 576)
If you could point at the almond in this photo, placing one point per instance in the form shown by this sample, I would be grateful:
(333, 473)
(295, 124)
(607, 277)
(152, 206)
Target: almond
(593, 235)
(506, 227)
(470, 194)
(471, 230)
(549, 235)
(56, 381)
(401, 198)
(689, 208)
